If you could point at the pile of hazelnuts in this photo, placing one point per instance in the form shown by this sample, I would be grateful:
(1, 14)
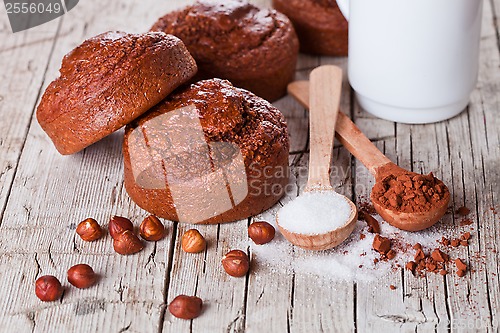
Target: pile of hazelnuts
(48, 288)
(125, 242)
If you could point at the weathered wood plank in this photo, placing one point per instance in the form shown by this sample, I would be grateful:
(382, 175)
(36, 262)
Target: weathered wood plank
(475, 164)
(44, 207)
(80, 310)
(40, 208)
(310, 306)
(24, 62)
(320, 303)
(475, 155)
(461, 304)
(202, 274)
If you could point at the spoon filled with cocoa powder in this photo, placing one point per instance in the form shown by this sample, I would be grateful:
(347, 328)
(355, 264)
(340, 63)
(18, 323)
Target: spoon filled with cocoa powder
(320, 218)
(405, 199)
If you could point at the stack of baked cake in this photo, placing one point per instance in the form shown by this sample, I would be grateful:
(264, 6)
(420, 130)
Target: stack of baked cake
(188, 93)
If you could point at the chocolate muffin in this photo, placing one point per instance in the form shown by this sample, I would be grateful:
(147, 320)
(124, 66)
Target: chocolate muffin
(321, 27)
(209, 153)
(256, 49)
(108, 81)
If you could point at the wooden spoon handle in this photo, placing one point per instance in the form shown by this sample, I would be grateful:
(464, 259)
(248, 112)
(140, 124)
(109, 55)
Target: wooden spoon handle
(324, 100)
(346, 132)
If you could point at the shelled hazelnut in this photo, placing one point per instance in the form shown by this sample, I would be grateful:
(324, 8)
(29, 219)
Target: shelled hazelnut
(236, 263)
(118, 224)
(81, 276)
(89, 230)
(152, 229)
(193, 241)
(261, 232)
(186, 307)
(127, 243)
(48, 288)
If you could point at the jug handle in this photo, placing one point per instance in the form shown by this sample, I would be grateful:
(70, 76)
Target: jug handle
(344, 7)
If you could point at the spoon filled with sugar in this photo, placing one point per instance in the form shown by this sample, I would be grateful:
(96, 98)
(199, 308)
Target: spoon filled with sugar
(405, 199)
(320, 218)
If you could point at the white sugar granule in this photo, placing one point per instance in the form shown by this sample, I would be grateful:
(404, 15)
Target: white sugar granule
(353, 260)
(315, 213)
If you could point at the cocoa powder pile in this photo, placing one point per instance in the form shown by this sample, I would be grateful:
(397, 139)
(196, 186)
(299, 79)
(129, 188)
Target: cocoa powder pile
(410, 192)
(425, 260)
(383, 246)
(434, 262)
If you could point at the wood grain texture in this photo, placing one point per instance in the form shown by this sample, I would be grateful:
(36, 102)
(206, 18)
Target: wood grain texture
(324, 100)
(44, 195)
(346, 132)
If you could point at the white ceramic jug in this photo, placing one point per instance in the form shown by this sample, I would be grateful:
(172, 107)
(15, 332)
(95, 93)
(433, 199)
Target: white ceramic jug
(413, 61)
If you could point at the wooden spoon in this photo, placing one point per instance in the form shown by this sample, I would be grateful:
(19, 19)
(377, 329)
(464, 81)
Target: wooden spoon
(337, 214)
(378, 165)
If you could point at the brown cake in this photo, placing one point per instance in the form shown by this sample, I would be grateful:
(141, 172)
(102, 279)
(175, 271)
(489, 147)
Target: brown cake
(321, 27)
(209, 153)
(108, 81)
(256, 49)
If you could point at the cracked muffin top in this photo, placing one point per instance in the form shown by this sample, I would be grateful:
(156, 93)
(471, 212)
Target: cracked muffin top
(235, 40)
(228, 114)
(182, 156)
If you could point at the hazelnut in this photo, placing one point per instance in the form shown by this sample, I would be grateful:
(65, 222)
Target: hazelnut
(118, 224)
(152, 229)
(261, 232)
(48, 288)
(236, 263)
(185, 307)
(89, 230)
(81, 276)
(193, 241)
(127, 243)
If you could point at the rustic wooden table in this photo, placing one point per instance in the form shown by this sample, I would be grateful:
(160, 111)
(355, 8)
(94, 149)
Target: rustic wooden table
(43, 195)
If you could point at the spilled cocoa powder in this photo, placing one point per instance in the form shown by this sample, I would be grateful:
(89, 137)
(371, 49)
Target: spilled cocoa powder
(424, 261)
(455, 242)
(381, 244)
(409, 192)
(463, 212)
(373, 225)
(466, 222)
(437, 261)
